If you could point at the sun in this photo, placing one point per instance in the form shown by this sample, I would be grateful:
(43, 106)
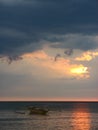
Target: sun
(79, 70)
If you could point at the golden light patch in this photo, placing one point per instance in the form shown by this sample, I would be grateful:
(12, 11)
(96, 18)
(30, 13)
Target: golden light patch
(79, 70)
(87, 56)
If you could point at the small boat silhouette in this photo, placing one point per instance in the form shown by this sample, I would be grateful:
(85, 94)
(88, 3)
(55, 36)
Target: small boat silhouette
(36, 110)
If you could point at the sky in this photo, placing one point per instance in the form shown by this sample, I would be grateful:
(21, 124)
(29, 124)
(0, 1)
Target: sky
(48, 50)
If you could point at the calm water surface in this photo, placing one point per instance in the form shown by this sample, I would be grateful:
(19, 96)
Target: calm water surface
(61, 116)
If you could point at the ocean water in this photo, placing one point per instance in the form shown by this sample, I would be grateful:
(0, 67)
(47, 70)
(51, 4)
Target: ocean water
(61, 116)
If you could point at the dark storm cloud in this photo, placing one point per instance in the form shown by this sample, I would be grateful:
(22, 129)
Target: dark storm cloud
(24, 23)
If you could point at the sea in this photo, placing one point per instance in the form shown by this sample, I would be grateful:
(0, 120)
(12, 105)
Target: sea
(61, 116)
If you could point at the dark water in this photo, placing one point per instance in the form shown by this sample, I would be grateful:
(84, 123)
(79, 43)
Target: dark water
(61, 116)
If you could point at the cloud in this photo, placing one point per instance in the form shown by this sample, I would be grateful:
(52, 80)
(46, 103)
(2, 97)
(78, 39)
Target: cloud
(38, 55)
(25, 26)
(62, 68)
(87, 56)
(68, 51)
(77, 41)
(10, 2)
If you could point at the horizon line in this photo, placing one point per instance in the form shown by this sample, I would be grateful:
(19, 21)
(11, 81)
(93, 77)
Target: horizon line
(48, 101)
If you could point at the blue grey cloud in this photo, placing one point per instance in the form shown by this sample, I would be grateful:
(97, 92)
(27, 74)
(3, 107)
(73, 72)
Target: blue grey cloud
(25, 23)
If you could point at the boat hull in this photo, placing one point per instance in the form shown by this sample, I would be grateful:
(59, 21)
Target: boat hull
(39, 111)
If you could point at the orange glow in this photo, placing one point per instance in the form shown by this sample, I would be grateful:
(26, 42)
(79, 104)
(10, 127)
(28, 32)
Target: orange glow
(49, 99)
(60, 68)
(87, 56)
(38, 54)
(81, 117)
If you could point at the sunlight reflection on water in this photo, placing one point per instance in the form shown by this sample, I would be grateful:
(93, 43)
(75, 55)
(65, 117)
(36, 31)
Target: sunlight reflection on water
(81, 117)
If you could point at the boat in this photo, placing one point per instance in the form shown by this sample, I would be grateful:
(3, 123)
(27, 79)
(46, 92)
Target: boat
(38, 111)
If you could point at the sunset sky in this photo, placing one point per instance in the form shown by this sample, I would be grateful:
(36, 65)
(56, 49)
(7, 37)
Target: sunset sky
(48, 50)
